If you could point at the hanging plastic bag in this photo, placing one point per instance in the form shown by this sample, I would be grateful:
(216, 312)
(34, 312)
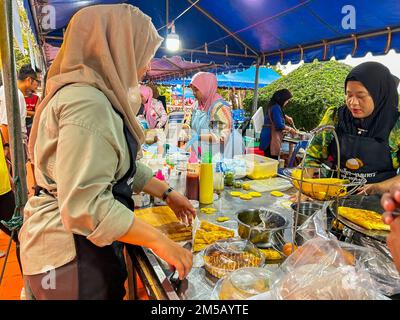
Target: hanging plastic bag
(235, 145)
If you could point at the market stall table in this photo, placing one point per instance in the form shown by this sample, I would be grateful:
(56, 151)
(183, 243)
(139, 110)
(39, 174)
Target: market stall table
(198, 285)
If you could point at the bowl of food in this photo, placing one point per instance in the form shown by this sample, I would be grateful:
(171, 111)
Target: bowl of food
(243, 284)
(225, 256)
(260, 226)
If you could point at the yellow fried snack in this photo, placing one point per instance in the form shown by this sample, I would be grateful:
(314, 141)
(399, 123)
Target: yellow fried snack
(209, 210)
(255, 194)
(236, 193)
(222, 219)
(246, 186)
(277, 194)
(246, 197)
(271, 254)
(208, 233)
(367, 219)
(320, 188)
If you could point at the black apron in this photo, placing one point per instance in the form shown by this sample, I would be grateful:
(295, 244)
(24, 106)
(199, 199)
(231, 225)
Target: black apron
(101, 270)
(364, 157)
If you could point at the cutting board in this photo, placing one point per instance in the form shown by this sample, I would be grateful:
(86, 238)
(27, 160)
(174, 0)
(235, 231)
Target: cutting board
(165, 220)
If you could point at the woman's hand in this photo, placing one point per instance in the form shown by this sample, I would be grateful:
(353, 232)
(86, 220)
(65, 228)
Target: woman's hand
(390, 201)
(289, 120)
(177, 257)
(181, 206)
(373, 188)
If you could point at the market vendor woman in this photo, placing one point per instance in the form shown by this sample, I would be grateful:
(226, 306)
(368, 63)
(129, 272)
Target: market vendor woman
(211, 112)
(84, 141)
(271, 136)
(368, 129)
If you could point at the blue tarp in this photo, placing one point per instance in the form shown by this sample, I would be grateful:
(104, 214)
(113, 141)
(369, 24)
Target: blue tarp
(273, 30)
(241, 80)
(178, 91)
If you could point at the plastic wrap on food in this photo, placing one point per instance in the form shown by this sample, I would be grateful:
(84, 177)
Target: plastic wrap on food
(225, 256)
(381, 267)
(326, 269)
(315, 225)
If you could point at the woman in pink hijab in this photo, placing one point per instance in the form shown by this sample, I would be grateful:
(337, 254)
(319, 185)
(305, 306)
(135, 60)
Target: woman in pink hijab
(211, 111)
(154, 111)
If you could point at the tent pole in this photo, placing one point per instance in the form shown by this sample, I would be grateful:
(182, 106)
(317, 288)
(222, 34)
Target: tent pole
(11, 98)
(255, 98)
(183, 93)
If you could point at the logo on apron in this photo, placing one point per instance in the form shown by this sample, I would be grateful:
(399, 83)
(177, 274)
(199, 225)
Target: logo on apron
(354, 164)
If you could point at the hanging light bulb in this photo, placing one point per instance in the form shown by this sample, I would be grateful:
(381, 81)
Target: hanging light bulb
(173, 42)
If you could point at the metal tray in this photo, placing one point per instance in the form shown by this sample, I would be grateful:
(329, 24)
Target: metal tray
(370, 202)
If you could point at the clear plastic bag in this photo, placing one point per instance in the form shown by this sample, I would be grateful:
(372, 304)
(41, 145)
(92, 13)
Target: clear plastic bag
(324, 269)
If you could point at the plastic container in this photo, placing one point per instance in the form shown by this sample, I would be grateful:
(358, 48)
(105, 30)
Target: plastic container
(259, 167)
(218, 178)
(225, 256)
(243, 284)
(206, 183)
(193, 181)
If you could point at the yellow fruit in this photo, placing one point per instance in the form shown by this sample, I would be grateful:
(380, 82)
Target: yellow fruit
(246, 197)
(255, 194)
(222, 219)
(277, 194)
(236, 193)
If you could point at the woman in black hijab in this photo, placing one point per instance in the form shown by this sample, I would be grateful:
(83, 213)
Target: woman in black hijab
(367, 127)
(274, 123)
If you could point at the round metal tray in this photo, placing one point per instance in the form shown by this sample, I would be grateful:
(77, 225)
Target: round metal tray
(371, 202)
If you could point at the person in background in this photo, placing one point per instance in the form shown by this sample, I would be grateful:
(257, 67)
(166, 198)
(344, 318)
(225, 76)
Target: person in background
(31, 101)
(157, 96)
(368, 129)
(271, 136)
(211, 111)
(84, 142)
(390, 201)
(154, 111)
(28, 81)
(7, 199)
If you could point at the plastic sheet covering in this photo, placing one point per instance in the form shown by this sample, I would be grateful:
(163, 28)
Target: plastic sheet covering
(325, 269)
(376, 258)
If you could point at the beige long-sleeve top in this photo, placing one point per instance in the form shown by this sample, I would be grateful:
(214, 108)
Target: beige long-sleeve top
(80, 153)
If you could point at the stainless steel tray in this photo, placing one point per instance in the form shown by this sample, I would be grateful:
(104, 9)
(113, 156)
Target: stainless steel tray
(370, 202)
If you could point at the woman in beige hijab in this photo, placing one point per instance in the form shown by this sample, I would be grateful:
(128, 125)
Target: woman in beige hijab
(84, 143)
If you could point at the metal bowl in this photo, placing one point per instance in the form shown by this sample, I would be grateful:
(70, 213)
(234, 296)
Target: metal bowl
(252, 228)
(306, 210)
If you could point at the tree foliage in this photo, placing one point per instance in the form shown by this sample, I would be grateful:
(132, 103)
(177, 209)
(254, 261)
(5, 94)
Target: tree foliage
(315, 87)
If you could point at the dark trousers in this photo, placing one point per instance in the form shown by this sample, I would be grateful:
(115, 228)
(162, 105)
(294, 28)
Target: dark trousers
(7, 206)
(97, 273)
(267, 153)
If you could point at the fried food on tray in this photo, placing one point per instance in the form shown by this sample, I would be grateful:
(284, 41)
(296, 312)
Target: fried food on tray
(367, 219)
(208, 233)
